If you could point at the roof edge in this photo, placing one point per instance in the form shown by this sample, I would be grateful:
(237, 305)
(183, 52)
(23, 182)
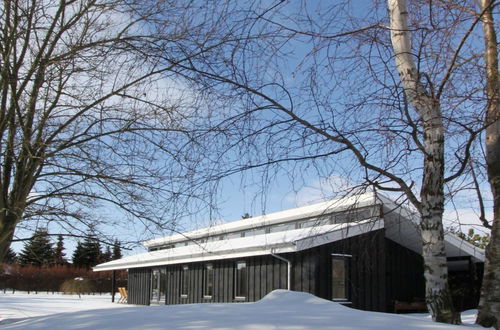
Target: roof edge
(336, 205)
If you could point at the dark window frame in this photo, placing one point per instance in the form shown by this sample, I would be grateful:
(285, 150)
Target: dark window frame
(240, 281)
(208, 281)
(184, 285)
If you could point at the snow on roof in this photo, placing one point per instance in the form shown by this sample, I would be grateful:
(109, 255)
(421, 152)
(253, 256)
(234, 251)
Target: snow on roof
(304, 212)
(279, 242)
(400, 223)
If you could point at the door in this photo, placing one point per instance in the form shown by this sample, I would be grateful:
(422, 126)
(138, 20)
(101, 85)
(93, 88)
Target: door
(339, 277)
(158, 285)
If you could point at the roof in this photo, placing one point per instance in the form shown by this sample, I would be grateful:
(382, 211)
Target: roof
(400, 226)
(303, 212)
(280, 242)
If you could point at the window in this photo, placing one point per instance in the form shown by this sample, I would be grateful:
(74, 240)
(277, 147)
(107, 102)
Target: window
(314, 222)
(255, 232)
(307, 223)
(208, 281)
(282, 227)
(163, 284)
(158, 285)
(240, 280)
(356, 214)
(339, 278)
(184, 281)
(155, 286)
(233, 235)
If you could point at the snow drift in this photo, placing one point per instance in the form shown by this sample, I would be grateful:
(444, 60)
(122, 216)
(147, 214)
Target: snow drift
(280, 309)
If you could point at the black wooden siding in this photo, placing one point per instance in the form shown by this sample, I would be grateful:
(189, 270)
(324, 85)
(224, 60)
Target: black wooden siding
(405, 273)
(139, 286)
(366, 280)
(380, 271)
(264, 274)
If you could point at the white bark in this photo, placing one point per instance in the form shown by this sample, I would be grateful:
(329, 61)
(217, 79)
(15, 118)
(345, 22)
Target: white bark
(489, 305)
(432, 194)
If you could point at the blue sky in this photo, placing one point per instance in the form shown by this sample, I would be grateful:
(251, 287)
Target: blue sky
(295, 183)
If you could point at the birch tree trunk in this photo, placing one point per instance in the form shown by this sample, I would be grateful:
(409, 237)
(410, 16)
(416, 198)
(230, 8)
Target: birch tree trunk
(438, 295)
(489, 305)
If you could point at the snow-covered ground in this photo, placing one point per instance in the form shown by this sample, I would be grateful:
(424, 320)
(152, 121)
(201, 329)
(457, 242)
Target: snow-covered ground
(278, 310)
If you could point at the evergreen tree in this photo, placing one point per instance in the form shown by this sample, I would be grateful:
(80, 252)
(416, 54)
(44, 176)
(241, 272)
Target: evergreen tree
(106, 256)
(117, 250)
(38, 251)
(88, 253)
(78, 255)
(10, 257)
(475, 239)
(93, 251)
(59, 255)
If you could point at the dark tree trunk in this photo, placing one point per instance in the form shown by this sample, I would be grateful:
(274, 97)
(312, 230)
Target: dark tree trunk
(7, 227)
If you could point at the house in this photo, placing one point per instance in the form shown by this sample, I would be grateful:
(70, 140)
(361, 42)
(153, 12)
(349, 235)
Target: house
(363, 251)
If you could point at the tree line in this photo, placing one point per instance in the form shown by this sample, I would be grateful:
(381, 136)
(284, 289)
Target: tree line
(40, 251)
(42, 265)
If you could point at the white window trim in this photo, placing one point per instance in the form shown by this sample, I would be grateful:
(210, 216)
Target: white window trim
(341, 255)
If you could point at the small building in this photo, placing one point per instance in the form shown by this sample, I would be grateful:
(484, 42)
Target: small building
(363, 251)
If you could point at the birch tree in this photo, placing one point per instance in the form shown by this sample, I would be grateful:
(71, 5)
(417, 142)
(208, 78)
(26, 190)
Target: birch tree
(489, 305)
(438, 295)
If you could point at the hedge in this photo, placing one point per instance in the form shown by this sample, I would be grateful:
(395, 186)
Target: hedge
(50, 279)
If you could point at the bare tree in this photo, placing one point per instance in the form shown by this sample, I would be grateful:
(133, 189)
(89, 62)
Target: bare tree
(322, 91)
(90, 115)
(88, 120)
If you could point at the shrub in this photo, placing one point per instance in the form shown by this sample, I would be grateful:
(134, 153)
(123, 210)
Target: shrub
(78, 285)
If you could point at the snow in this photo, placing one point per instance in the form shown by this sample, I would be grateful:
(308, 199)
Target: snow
(22, 305)
(279, 242)
(280, 309)
(303, 212)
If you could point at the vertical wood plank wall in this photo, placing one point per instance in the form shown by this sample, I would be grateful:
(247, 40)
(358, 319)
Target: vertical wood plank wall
(378, 269)
(139, 286)
(366, 279)
(264, 274)
(405, 272)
